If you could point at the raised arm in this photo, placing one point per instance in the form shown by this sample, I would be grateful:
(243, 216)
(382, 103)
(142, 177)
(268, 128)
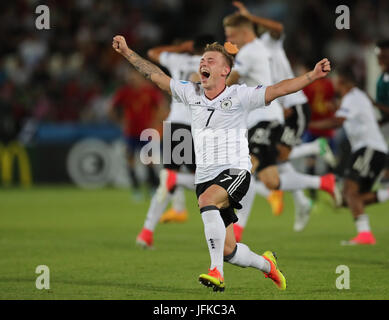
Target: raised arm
(146, 68)
(269, 24)
(330, 123)
(154, 53)
(282, 88)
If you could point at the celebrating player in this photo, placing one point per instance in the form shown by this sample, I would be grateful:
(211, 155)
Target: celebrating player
(296, 107)
(253, 65)
(219, 111)
(369, 152)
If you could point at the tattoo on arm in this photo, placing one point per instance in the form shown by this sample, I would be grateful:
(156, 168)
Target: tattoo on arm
(308, 77)
(146, 68)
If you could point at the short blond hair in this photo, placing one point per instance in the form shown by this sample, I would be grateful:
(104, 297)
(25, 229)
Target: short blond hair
(237, 20)
(219, 48)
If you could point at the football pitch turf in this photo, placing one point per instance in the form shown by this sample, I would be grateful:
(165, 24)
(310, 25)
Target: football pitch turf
(87, 239)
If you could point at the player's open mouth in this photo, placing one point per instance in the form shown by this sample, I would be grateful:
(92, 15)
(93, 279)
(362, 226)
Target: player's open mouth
(205, 74)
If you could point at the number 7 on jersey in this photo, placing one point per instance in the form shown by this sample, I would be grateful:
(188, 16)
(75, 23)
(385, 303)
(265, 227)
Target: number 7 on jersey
(212, 111)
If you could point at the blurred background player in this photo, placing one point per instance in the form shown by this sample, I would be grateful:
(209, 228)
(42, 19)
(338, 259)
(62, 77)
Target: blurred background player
(369, 151)
(181, 60)
(136, 106)
(253, 66)
(296, 110)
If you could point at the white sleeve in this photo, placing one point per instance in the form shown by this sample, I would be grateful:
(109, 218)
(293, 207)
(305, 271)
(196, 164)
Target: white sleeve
(252, 97)
(242, 63)
(181, 90)
(169, 59)
(347, 109)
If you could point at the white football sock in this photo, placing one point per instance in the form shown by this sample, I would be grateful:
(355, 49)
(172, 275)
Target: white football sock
(155, 211)
(300, 199)
(215, 234)
(285, 167)
(261, 189)
(362, 223)
(186, 180)
(383, 195)
(305, 149)
(178, 199)
(244, 257)
(290, 179)
(247, 203)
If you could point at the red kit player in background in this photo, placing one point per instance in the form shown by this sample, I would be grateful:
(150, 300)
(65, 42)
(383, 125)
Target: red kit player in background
(137, 106)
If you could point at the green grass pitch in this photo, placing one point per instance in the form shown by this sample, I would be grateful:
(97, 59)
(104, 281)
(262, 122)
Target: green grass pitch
(87, 239)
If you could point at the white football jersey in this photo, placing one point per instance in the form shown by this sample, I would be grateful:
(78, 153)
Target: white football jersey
(180, 66)
(281, 69)
(361, 124)
(253, 65)
(219, 127)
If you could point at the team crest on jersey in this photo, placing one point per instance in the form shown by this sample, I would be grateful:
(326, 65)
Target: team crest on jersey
(226, 104)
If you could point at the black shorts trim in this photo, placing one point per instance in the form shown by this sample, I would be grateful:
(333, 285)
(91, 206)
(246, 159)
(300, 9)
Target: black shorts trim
(365, 168)
(263, 139)
(236, 182)
(296, 124)
(208, 208)
(168, 159)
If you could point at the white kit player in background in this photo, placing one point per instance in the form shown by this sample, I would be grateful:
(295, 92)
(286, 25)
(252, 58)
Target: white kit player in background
(221, 185)
(253, 64)
(296, 108)
(369, 152)
(181, 60)
(297, 113)
(295, 103)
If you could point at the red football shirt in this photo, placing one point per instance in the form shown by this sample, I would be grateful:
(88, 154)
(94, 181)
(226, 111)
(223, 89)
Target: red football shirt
(320, 94)
(139, 107)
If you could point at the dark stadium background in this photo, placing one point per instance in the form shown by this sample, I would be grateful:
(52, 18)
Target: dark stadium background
(55, 84)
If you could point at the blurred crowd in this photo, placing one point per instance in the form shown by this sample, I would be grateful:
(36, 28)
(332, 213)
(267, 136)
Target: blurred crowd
(70, 72)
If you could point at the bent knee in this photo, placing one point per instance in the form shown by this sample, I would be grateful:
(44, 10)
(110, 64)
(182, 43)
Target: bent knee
(272, 183)
(229, 251)
(283, 152)
(350, 195)
(205, 200)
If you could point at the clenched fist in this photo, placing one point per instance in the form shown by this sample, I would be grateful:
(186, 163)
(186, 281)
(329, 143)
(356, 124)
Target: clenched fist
(322, 68)
(120, 45)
